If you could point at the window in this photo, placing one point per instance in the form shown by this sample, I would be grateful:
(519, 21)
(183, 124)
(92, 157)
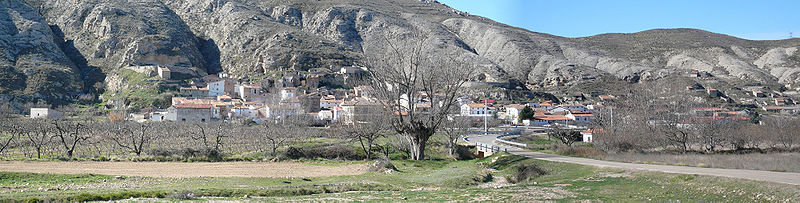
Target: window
(183, 119)
(203, 120)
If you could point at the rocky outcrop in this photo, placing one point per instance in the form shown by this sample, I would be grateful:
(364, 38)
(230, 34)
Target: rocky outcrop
(32, 65)
(112, 34)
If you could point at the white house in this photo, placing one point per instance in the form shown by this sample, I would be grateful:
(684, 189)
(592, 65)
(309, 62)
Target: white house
(45, 113)
(243, 112)
(158, 116)
(581, 118)
(476, 109)
(164, 72)
(329, 103)
(573, 107)
(247, 92)
(288, 93)
(588, 135)
(559, 110)
(325, 115)
(279, 111)
(216, 88)
(512, 112)
(351, 70)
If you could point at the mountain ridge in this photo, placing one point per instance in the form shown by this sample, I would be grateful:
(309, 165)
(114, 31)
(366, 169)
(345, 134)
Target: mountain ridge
(247, 39)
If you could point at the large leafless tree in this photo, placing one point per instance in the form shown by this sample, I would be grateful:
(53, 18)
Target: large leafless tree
(70, 134)
(132, 136)
(404, 67)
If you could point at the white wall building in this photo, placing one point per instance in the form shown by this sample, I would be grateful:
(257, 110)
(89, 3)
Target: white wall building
(512, 112)
(216, 88)
(288, 93)
(476, 109)
(581, 118)
(45, 113)
(158, 116)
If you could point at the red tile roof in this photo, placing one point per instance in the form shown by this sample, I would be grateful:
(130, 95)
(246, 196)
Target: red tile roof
(193, 106)
(552, 118)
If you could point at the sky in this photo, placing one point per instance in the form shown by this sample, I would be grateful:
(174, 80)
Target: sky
(754, 20)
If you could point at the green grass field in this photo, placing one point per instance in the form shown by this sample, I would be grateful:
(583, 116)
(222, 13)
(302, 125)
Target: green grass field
(479, 179)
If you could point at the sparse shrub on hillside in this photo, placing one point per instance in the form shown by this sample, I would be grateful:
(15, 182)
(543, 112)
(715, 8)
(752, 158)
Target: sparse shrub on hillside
(382, 165)
(331, 151)
(181, 195)
(582, 151)
(525, 172)
(115, 116)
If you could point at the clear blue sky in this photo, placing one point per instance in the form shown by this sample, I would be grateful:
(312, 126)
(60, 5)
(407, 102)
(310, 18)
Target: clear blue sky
(755, 19)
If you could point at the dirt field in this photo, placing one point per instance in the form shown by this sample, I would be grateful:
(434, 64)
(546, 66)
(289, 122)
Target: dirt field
(180, 170)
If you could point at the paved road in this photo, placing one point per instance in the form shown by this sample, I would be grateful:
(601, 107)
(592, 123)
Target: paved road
(769, 176)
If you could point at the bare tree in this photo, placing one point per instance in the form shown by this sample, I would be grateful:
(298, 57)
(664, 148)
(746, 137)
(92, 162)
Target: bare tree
(781, 130)
(366, 132)
(712, 133)
(453, 128)
(651, 114)
(403, 69)
(566, 136)
(131, 136)
(70, 134)
(210, 135)
(8, 130)
(274, 136)
(38, 134)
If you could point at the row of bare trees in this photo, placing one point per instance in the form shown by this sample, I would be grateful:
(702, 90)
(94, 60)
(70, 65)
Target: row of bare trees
(658, 116)
(38, 138)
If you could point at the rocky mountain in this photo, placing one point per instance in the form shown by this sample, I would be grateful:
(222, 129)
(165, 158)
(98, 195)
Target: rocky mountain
(84, 44)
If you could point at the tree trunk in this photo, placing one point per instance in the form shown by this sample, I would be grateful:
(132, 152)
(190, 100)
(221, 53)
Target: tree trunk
(417, 144)
(364, 147)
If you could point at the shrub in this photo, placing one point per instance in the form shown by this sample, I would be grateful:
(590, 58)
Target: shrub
(581, 151)
(526, 172)
(293, 153)
(382, 165)
(181, 196)
(464, 153)
(333, 151)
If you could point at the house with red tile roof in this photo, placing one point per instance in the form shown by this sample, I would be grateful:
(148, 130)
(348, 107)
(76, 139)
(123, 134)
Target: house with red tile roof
(191, 112)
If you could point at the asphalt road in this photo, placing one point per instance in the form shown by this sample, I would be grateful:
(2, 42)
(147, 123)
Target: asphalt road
(769, 176)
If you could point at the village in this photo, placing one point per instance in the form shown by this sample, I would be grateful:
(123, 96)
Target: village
(303, 96)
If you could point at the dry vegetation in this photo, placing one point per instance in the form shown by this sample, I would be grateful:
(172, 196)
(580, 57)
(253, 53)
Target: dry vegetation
(782, 162)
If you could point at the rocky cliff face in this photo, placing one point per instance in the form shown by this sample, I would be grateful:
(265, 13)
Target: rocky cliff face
(32, 64)
(93, 39)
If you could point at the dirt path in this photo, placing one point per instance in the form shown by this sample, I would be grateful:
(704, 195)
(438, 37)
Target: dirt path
(180, 170)
(769, 176)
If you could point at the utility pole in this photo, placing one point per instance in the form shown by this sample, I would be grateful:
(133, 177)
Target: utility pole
(485, 116)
